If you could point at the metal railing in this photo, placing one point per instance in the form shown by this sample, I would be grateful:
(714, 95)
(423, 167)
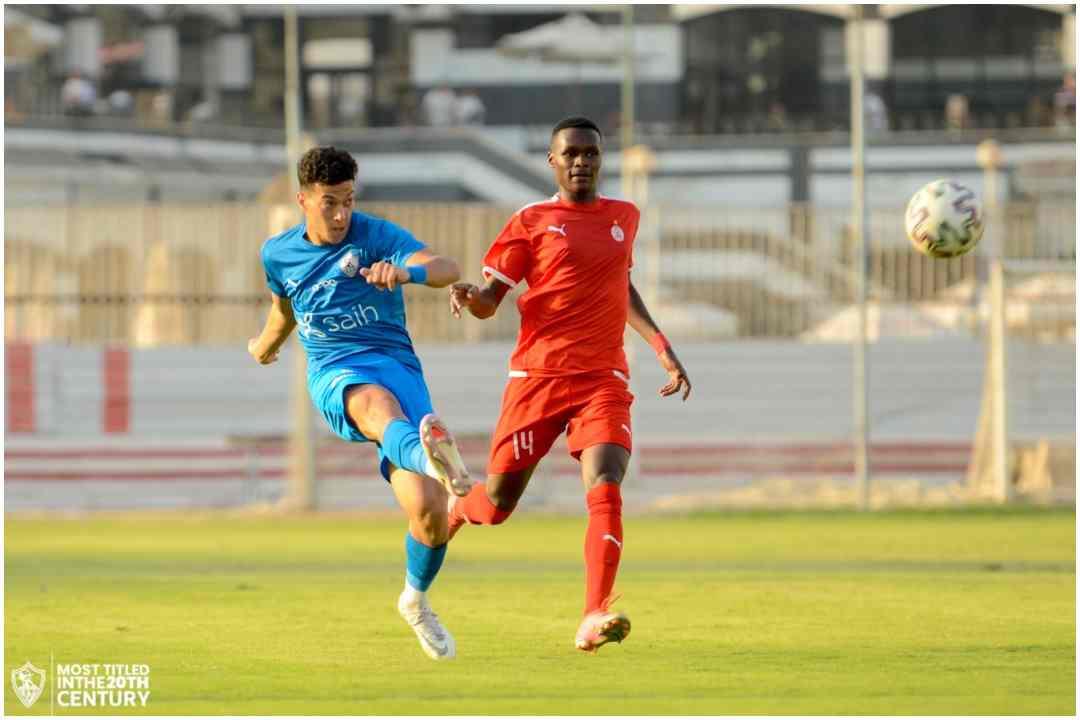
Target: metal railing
(152, 275)
(265, 129)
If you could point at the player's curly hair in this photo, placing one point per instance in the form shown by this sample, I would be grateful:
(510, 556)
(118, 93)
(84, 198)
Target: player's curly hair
(326, 166)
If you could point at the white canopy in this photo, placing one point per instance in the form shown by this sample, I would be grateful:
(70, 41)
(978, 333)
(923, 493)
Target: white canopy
(572, 38)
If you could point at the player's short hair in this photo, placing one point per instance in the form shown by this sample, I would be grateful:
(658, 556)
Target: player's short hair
(576, 122)
(326, 166)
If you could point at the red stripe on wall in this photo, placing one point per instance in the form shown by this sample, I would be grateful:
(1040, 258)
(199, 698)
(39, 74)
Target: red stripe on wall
(117, 372)
(19, 382)
(138, 475)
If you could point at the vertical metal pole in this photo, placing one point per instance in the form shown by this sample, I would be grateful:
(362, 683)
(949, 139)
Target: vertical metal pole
(999, 460)
(858, 222)
(626, 129)
(301, 438)
(626, 141)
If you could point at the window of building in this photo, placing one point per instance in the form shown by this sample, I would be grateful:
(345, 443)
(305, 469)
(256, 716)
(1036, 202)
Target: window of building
(1005, 60)
(756, 69)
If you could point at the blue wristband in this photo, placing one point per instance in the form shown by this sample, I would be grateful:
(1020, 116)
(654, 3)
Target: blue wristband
(417, 274)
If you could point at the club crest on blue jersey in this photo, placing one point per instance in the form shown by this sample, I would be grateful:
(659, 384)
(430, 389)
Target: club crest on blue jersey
(349, 264)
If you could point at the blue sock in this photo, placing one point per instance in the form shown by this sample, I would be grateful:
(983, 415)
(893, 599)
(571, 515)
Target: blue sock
(422, 562)
(401, 445)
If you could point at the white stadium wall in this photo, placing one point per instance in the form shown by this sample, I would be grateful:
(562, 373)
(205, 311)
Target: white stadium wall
(96, 428)
(746, 391)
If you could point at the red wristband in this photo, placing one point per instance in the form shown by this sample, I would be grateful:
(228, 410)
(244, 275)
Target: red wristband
(659, 343)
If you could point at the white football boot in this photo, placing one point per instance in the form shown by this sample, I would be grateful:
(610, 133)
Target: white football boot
(435, 640)
(444, 460)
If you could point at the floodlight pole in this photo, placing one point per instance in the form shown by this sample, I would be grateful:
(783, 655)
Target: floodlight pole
(626, 128)
(301, 495)
(988, 156)
(861, 413)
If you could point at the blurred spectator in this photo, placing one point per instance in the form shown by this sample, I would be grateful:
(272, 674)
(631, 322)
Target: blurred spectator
(777, 120)
(121, 103)
(877, 114)
(1065, 101)
(78, 95)
(161, 108)
(957, 112)
(1035, 114)
(439, 106)
(11, 110)
(470, 109)
(695, 106)
(408, 109)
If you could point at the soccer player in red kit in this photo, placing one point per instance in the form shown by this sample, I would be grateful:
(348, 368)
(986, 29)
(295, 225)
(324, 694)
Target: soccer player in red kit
(568, 371)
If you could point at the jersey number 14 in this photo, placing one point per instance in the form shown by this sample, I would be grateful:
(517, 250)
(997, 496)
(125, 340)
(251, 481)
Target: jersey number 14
(523, 442)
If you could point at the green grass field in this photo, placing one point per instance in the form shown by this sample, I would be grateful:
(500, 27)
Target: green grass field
(950, 612)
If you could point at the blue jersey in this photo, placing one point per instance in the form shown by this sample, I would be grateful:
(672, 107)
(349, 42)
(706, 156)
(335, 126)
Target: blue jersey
(337, 313)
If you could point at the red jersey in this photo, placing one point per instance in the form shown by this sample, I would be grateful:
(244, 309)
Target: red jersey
(576, 259)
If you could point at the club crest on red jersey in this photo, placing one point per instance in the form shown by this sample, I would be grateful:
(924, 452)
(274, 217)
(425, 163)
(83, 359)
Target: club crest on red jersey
(616, 232)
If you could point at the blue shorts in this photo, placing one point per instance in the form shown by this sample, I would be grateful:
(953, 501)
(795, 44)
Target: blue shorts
(405, 382)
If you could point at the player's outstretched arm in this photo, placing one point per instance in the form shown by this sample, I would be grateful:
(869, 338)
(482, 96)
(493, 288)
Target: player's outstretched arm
(423, 268)
(639, 319)
(482, 302)
(279, 323)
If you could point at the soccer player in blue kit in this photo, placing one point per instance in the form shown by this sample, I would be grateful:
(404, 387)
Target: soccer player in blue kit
(338, 276)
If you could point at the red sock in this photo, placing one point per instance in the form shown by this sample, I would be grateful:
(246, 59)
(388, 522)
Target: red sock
(603, 543)
(477, 509)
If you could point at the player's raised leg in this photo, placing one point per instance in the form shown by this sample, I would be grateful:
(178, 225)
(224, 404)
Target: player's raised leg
(491, 502)
(424, 501)
(603, 467)
(427, 450)
(532, 418)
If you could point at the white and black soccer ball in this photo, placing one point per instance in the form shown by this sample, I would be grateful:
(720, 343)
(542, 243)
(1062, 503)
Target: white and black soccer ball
(944, 219)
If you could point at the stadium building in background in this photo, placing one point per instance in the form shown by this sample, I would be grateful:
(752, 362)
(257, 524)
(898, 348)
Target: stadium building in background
(702, 68)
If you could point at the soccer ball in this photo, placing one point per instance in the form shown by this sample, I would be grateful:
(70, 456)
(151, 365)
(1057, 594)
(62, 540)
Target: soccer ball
(944, 219)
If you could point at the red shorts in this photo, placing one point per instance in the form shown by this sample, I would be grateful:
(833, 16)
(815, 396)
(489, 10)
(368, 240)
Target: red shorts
(535, 411)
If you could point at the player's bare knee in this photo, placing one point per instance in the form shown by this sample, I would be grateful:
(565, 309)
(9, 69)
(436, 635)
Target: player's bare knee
(432, 537)
(504, 500)
(603, 477)
(437, 535)
(504, 490)
(429, 520)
